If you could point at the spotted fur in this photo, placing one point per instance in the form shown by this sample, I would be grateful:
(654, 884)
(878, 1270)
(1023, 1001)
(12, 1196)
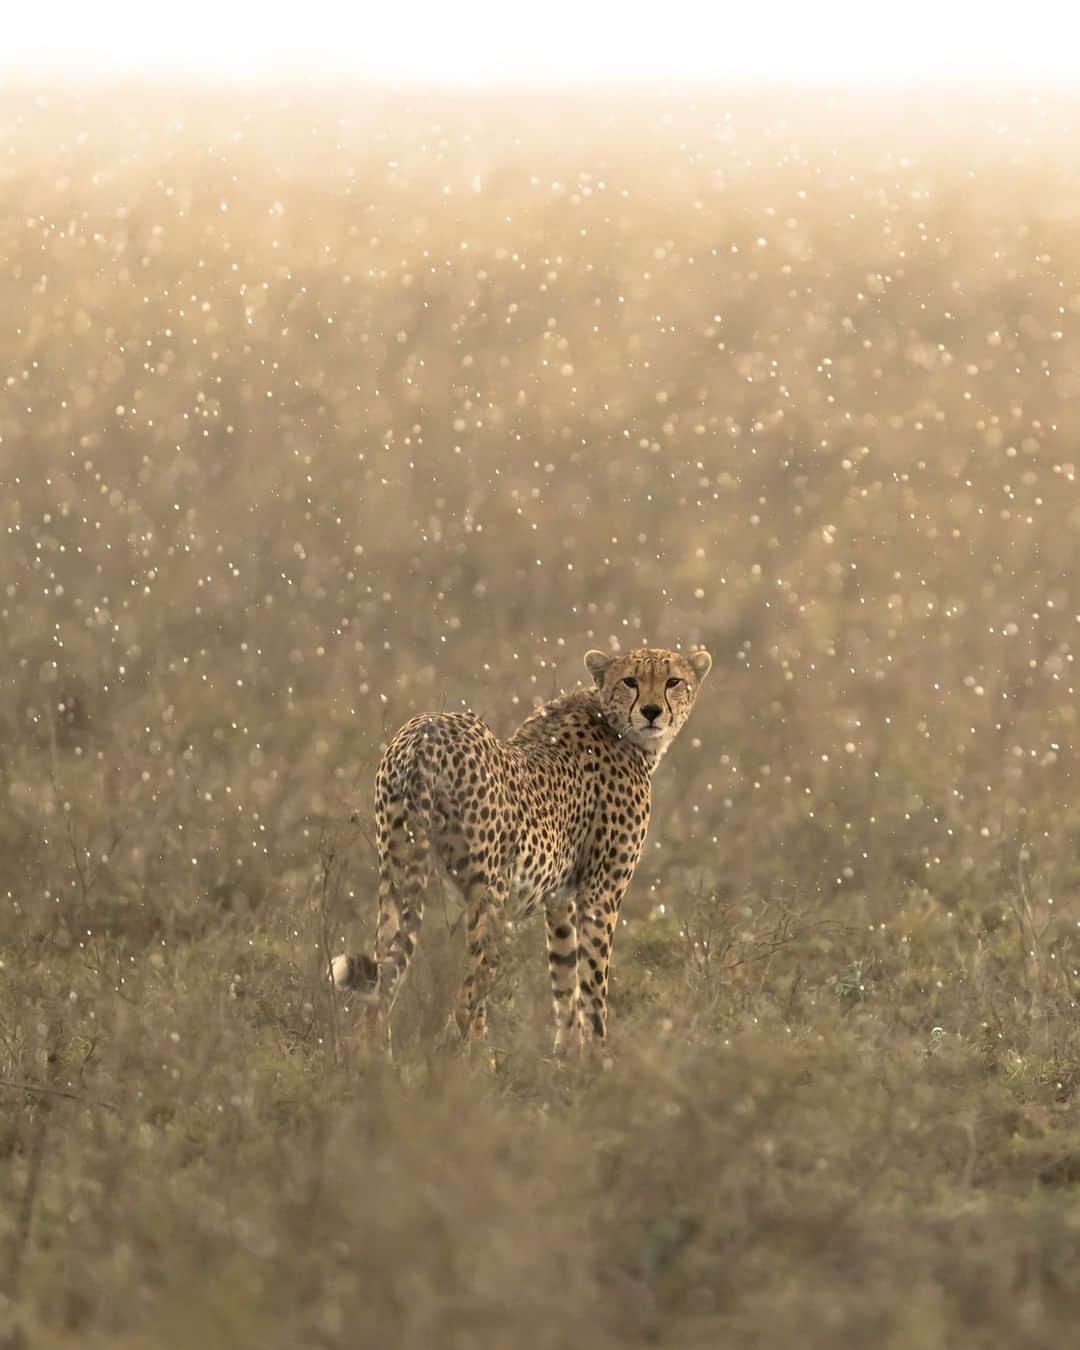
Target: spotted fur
(553, 818)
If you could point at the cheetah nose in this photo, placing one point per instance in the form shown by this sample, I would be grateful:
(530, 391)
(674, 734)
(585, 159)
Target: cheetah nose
(652, 712)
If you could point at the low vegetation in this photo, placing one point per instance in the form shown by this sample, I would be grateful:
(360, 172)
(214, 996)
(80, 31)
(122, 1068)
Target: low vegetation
(319, 412)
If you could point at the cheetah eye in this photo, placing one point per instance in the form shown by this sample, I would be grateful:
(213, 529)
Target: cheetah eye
(630, 682)
(673, 682)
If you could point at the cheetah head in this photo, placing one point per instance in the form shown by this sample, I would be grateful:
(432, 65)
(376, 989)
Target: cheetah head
(646, 695)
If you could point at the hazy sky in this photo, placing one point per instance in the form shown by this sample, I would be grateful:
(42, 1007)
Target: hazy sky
(472, 42)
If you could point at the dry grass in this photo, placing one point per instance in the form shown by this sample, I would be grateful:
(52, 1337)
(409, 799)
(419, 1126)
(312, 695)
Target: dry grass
(320, 412)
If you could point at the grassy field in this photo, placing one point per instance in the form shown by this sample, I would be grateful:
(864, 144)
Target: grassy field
(320, 412)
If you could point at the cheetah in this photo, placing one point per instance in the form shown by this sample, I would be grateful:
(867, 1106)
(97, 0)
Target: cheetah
(554, 818)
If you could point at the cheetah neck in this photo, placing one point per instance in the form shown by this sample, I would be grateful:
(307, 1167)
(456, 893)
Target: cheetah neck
(562, 719)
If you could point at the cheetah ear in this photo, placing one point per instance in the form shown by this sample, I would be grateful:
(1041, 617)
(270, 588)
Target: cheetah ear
(596, 663)
(700, 663)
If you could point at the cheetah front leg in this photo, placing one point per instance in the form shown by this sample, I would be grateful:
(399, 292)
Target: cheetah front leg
(596, 934)
(562, 943)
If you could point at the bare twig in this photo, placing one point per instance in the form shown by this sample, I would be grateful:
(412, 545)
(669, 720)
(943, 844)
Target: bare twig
(327, 859)
(88, 878)
(44, 1090)
(365, 835)
(1031, 938)
(28, 1200)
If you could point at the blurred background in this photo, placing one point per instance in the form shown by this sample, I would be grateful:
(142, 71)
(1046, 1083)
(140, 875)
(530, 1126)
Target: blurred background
(360, 365)
(484, 44)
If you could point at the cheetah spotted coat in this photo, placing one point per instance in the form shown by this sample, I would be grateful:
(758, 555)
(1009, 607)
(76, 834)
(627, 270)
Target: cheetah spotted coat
(555, 817)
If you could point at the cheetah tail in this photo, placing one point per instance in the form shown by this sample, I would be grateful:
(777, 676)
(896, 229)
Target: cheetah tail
(408, 871)
(357, 972)
(404, 872)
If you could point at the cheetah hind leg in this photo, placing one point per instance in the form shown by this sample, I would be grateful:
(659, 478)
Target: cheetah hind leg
(485, 899)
